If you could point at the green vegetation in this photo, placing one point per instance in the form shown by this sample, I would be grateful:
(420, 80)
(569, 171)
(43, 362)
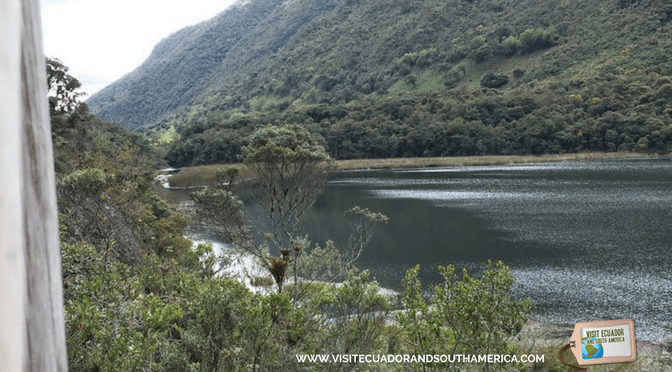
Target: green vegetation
(289, 168)
(205, 175)
(470, 315)
(597, 118)
(495, 89)
(425, 79)
(168, 135)
(148, 301)
(62, 88)
(327, 79)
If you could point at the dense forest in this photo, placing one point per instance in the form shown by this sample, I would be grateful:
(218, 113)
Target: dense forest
(375, 79)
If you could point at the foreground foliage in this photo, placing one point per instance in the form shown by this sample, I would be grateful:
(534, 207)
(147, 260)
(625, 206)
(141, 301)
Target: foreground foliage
(138, 297)
(467, 316)
(170, 316)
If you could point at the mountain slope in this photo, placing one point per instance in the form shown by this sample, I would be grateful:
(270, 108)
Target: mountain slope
(177, 64)
(543, 70)
(182, 64)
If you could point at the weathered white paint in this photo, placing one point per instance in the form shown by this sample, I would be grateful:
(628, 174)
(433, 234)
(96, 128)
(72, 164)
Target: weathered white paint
(32, 333)
(12, 266)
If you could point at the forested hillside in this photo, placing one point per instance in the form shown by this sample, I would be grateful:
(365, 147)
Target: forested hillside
(182, 65)
(395, 78)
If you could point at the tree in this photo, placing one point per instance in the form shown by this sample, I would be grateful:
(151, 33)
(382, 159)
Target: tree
(62, 88)
(364, 224)
(492, 80)
(227, 176)
(291, 168)
(70, 119)
(96, 210)
(221, 212)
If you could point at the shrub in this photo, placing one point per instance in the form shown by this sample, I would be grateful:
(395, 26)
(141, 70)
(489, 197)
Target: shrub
(408, 59)
(480, 312)
(492, 80)
(511, 45)
(426, 57)
(474, 315)
(477, 42)
(538, 38)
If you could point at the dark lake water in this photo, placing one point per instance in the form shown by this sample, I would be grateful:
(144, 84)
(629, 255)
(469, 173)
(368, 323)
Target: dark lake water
(586, 240)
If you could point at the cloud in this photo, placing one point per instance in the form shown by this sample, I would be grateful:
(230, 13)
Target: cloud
(102, 40)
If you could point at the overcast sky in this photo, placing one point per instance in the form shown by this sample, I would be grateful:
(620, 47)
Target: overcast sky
(102, 40)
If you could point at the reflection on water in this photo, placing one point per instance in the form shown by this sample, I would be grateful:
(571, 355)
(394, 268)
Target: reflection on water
(586, 240)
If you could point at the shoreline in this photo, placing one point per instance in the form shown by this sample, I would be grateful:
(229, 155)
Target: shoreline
(485, 160)
(204, 175)
(535, 333)
(402, 163)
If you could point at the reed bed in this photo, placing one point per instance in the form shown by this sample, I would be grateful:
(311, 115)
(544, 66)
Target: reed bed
(459, 161)
(204, 175)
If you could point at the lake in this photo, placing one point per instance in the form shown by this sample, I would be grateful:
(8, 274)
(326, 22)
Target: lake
(585, 240)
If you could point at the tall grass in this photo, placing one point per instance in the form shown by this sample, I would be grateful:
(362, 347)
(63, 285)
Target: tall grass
(460, 161)
(204, 175)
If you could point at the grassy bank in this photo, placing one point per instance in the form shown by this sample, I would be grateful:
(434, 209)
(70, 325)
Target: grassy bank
(462, 161)
(203, 175)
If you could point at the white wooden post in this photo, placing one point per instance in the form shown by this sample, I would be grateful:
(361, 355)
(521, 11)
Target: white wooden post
(32, 333)
(12, 266)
